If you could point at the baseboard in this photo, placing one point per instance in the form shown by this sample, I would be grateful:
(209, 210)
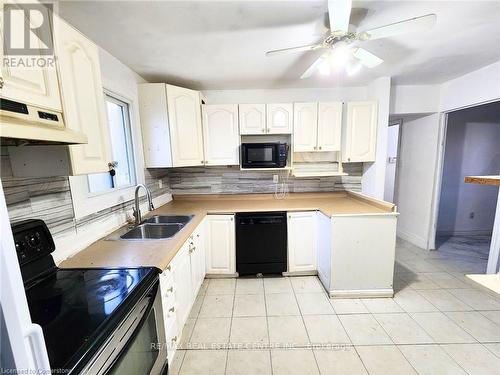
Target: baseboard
(221, 275)
(412, 238)
(465, 233)
(300, 273)
(362, 293)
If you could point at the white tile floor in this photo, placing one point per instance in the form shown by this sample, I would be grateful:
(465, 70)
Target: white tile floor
(438, 322)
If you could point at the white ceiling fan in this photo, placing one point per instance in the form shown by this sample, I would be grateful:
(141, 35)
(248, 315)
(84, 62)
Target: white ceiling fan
(342, 45)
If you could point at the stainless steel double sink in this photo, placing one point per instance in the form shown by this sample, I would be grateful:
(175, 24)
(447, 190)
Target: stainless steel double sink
(156, 228)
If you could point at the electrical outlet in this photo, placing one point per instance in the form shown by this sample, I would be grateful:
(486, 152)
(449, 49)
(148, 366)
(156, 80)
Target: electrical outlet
(471, 215)
(160, 183)
(275, 178)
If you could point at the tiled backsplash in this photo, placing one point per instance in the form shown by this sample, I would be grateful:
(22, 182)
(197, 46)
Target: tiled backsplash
(49, 198)
(231, 180)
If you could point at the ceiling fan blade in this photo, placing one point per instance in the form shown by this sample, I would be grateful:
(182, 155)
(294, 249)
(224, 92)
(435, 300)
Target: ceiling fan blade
(339, 12)
(310, 47)
(366, 58)
(406, 26)
(314, 66)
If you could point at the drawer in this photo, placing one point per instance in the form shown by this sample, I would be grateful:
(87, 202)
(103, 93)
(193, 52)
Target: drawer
(172, 339)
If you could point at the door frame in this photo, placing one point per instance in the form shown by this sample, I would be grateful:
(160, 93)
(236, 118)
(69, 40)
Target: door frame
(494, 253)
(398, 122)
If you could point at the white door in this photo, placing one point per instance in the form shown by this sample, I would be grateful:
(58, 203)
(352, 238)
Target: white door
(220, 244)
(182, 279)
(302, 244)
(83, 99)
(36, 86)
(279, 118)
(197, 258)
(220, 134)
(305, 126)
(329, 126)
(252, 119)
(361, 132)
(184, 114)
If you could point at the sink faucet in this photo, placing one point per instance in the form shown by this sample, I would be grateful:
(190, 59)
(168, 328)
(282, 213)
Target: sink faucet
(137, 210)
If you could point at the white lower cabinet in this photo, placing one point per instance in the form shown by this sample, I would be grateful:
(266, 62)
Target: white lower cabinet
(220, 244)
(179, 285)
(302, 241)
(324, 249)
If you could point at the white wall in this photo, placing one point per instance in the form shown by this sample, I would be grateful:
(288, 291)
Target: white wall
(479, 86)
(373, 181)
(417, 166)
(416, 99)
(285, 95)
(472, 148)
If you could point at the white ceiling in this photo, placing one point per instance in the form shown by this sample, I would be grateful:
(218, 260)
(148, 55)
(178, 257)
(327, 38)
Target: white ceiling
(221, 45)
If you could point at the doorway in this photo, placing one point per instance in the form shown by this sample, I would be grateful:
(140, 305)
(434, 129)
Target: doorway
(466, 212)
(391, 161)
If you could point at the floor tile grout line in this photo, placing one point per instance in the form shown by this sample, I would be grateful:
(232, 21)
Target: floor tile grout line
(305, 327)
(230, 326)
(267, 327)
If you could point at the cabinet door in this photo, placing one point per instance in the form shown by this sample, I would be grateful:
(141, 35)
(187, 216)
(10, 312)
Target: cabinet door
(220, 244)
(184, 115)
(197, 259)
(182, 280)
(329, 126)
(302, 241)
(279, 118)
(252, 118)
(305, 126)
(360, 132)
(324, 235)
(36, 86)
(83, 100)
(220, 134)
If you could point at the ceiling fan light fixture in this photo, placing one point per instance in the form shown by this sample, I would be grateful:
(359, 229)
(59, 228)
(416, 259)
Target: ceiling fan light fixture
(340, 55)
(324, 67)
(353, 68)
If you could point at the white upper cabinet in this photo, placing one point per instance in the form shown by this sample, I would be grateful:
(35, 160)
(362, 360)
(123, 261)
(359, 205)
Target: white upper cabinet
(329, 126)
(302, 241)
(279, 118)
(83, 99)
(36, 86)
(154, 124)
(252, 119)
(184, 114)
(305, 124)
(220, 134)
(361, 132)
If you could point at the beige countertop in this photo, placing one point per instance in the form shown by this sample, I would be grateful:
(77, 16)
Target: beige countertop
(159, 253)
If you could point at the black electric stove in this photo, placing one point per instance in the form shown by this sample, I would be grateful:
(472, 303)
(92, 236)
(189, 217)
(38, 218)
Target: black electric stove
(78, 309)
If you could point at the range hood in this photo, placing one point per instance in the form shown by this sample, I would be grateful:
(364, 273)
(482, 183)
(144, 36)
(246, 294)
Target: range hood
(26, 124)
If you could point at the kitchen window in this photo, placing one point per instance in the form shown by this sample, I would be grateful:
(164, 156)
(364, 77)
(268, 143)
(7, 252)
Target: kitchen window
(123, 173)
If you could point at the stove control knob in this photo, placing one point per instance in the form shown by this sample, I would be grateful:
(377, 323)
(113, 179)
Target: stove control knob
(20, 246)
(34, 240)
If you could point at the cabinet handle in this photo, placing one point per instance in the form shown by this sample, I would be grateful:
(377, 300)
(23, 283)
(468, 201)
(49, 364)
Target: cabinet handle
(263, 130)
(1, 82)
(171, 289)
(191, 249)
(169, 268)
(348, 159)
(320, 147)
(174, 339)
(172, 309)
(315, 147)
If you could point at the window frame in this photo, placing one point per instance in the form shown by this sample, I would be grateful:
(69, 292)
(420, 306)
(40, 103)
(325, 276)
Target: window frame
(129, 139)
(86, 203)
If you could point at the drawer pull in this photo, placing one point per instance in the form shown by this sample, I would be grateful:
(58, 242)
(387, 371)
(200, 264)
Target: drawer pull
(174, 339)
(171, 289)
(172, 309)
(169, 268)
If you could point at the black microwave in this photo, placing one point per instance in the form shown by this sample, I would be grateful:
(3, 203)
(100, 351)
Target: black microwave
(264, 155)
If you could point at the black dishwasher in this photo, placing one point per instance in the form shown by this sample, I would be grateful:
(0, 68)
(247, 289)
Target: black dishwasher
(261, 243)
